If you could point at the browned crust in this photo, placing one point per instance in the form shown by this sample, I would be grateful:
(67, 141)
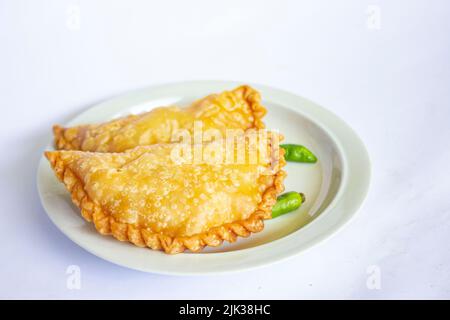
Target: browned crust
(106, 224)
(63, 141)
(253, 99)
(72, 138)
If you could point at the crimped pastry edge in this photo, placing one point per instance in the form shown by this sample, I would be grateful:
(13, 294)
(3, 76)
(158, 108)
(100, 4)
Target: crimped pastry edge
(65, 141)
(141, 237)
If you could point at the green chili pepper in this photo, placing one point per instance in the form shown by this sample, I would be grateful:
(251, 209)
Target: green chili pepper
(298, 153)
(287, 202)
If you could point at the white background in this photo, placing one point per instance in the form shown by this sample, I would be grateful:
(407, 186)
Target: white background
(391, 84)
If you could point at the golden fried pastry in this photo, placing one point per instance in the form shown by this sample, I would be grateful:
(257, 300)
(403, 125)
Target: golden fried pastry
(237, 109)
(147, 197)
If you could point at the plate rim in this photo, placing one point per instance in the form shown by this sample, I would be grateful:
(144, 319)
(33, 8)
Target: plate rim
(309, 110)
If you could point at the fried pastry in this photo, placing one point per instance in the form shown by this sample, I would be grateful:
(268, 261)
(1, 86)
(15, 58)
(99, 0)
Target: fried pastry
(236, 109)
(145, 197)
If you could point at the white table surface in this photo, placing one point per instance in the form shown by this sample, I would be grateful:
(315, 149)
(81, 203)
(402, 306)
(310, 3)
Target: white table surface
(385, 70)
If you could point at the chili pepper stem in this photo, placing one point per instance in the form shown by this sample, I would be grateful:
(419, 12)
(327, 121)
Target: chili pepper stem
(303, 196)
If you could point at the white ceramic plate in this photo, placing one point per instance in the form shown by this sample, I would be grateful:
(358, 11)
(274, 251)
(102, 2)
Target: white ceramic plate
(335, 187)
